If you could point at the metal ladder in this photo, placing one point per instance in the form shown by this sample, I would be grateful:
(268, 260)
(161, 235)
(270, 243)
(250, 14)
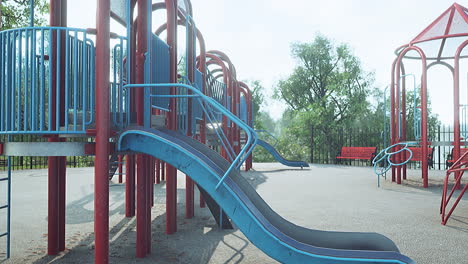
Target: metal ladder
(114, 163)
(7, 206)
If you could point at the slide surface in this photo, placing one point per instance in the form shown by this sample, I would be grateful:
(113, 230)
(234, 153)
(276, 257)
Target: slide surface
(277, 237)
(280, 158)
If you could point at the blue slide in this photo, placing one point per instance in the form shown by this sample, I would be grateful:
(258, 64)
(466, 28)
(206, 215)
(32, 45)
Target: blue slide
(280, 158)
(277, 237)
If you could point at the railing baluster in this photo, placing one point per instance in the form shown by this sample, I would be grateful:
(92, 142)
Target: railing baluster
(114, 85)
(58, 79)
(26, 84)
(2, 79)
(67, 76)
(84, 74)
(9, 77)
(121, 83)
(13, 83)
(75, 80)
(20, 65)
(42, 93)
(55, 33)
(33, 80)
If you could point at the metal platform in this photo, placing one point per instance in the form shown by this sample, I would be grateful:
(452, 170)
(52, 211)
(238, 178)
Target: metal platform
(44, 148)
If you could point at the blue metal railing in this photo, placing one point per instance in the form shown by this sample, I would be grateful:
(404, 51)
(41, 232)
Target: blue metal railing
(119, 78)
(208, 104)
(385, 156)
(29, 57)
(216, 90)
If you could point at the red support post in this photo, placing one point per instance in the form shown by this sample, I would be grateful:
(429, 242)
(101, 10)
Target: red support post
(158, 171)
(52, 219)
(56, 181)
(171, 179)
(61, 169)
(120, 161)
(62, 161)
(403, 155)
(143, 205)
(424, 131)
(130, 186)
(189, 197)
(393, 116)
(456, 106)
(101, 170)
(163, 170)
(189, 185)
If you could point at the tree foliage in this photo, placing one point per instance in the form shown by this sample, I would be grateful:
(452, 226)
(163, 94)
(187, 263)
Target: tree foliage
(15, 13)
(328, 88)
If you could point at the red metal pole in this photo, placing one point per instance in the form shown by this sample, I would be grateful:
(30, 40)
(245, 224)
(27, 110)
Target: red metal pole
(62, 160)
(398, 122)
(158, 171)
(130, 186)
(120, 161)
(61, 168)
(392, 114)
(53, 162)
(424, 138)
(456, 104)
(202, 68)
(163, 171)
(248, 98)
(142, 232)
(101, 170)
(403, 155)
(171, 180)
(52, 219)
(424, 129)
(189, 185)
(130, 166)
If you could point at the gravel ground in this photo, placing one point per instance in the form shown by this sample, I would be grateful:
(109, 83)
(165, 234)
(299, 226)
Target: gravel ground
(323, 197)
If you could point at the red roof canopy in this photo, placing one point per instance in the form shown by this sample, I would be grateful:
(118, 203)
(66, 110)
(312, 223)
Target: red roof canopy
(443, 36)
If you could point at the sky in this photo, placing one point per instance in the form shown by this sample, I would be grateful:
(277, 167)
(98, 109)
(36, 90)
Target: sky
(257, 36)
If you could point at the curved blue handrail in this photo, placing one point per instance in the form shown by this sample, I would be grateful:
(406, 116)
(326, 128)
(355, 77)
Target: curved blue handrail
(384, 155)
(251, 134)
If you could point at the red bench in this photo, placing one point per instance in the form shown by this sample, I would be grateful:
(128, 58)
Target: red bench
(362, 153)
(450, 159)
(417, 155)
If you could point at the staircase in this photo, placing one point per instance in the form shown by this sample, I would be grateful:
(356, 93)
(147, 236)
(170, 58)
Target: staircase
(113, 165)
(7, 207)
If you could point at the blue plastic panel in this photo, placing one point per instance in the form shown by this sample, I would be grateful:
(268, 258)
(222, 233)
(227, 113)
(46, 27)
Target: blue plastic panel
(160, 72)
(243, 109)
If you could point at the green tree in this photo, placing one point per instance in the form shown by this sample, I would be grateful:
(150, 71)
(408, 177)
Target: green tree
(15, 13)
(258, 100)
(327, 89)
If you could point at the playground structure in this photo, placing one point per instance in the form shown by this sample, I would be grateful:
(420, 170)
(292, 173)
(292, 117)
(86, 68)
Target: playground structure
(125, 97)
(440, 43)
